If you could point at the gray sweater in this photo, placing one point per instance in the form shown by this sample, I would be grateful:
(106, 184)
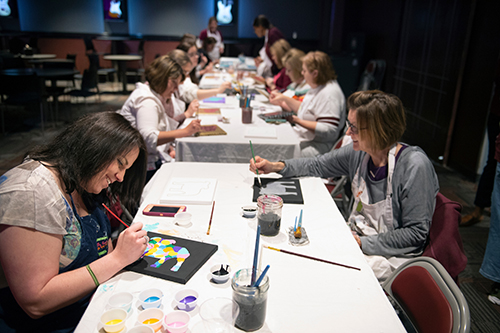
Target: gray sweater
(415, 186)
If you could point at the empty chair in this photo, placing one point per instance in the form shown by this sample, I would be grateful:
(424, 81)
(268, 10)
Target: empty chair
(429, 297)
(372, 76)
(88, 87)
(106, 72)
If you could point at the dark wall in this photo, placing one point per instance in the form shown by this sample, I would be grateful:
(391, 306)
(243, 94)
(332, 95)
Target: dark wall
(69, 16)
(476, 89)
(380, 22)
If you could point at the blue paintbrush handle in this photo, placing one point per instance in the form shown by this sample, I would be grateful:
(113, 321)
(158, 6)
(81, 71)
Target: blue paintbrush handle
(261, 277)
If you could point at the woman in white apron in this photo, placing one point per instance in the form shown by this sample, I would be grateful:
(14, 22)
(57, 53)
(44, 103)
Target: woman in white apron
(394, 185)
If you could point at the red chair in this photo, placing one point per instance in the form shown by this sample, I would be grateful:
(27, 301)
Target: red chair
(429, 297)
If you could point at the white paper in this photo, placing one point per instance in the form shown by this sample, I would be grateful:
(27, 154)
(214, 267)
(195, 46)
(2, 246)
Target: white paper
(209, 120)
(198, 191)
(261, 132)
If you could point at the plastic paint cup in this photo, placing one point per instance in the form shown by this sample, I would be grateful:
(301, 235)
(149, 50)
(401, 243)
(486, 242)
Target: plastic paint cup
(113, 320)
(141, 329)
(152, 318)
(122, 300)
(218, 314)
(177, 321)
(151, 298)
(252, 301)
(186, 299)
(218, 275)
(183, 218)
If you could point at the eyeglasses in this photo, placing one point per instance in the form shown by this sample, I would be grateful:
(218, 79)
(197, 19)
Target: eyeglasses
(353, 128)
(192, 54)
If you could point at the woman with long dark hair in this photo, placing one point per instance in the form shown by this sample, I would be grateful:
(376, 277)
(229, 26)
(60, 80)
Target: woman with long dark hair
(55, 246)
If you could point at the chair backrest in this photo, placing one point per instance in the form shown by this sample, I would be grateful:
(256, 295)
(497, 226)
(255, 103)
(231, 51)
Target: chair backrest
(429, 296)
(89, 80)
(444, 243)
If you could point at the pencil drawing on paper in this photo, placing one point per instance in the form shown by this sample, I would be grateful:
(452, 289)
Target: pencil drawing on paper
(188, 188)
(279, 188)
(164, 249)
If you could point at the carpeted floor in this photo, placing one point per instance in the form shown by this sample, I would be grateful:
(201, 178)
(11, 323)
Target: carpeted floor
(23, 132)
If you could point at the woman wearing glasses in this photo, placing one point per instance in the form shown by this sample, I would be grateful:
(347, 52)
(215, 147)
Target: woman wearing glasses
(321, 115)
(189, 90)
(394, 184)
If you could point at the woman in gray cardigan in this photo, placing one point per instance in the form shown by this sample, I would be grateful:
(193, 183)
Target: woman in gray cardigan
(394, 185)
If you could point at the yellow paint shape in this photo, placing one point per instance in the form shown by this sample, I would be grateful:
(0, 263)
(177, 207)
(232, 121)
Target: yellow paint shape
(114, 322)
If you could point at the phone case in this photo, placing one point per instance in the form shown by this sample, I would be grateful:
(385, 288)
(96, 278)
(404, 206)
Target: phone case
(147, 211)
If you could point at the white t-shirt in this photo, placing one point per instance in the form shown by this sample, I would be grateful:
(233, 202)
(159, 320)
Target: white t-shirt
(146, 110)
(326, 105)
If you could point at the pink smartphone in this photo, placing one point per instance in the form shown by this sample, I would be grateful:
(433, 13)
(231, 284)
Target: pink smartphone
(163, 210)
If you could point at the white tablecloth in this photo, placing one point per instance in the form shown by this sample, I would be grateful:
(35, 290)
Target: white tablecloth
(235, 147)
(304, 295)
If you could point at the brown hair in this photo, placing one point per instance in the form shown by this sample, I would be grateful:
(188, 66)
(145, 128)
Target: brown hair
(320, 61)
(208, 41)
(160, 71)
(280, 47)
(180, 57)
(380, 117)
(294, 58)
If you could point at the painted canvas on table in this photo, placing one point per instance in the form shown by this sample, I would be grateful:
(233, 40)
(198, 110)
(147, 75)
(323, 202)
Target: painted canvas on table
(288, 189)
(172, 258)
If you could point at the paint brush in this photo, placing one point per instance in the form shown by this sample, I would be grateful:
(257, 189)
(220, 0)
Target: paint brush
(255, 256)
(298, 231)
(261, 277)
(109, 210)
(256, 169)
(308, 257)
(211, 215)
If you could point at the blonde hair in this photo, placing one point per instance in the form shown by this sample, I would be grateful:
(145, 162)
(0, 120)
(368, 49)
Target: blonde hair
(280, 47)
(160, 71)
(294, 58)
(380, 117)
(320, 61)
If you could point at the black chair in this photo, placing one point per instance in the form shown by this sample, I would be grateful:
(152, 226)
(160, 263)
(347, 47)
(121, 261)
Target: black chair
(88, 87)
(101, 72)
(19, 90)
(372, 76)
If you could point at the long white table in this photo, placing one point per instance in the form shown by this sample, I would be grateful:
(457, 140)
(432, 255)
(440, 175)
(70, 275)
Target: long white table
(304, 295)
(234, 147)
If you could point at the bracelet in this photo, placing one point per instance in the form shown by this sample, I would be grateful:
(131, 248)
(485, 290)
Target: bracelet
(93, 275)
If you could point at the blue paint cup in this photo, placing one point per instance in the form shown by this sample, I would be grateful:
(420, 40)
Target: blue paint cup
(151, 298)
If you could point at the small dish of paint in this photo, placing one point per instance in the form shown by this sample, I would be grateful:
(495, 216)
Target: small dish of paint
(177, 321)
(151, 298)
(183, 218)
(220, 273)
(186, 299)
(152, 318)
(249, 211)
(113, 320)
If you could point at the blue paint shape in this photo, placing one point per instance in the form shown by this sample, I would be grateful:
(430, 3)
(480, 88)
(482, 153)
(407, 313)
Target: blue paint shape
(152, 299)
(188, 299)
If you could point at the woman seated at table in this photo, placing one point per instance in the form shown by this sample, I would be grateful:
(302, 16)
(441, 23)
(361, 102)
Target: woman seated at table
(281, 80)
(146, 109)
(395, 184)
(296, 91)
(321, 115)
(180, 109)
(55, 246)
(190, 89)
